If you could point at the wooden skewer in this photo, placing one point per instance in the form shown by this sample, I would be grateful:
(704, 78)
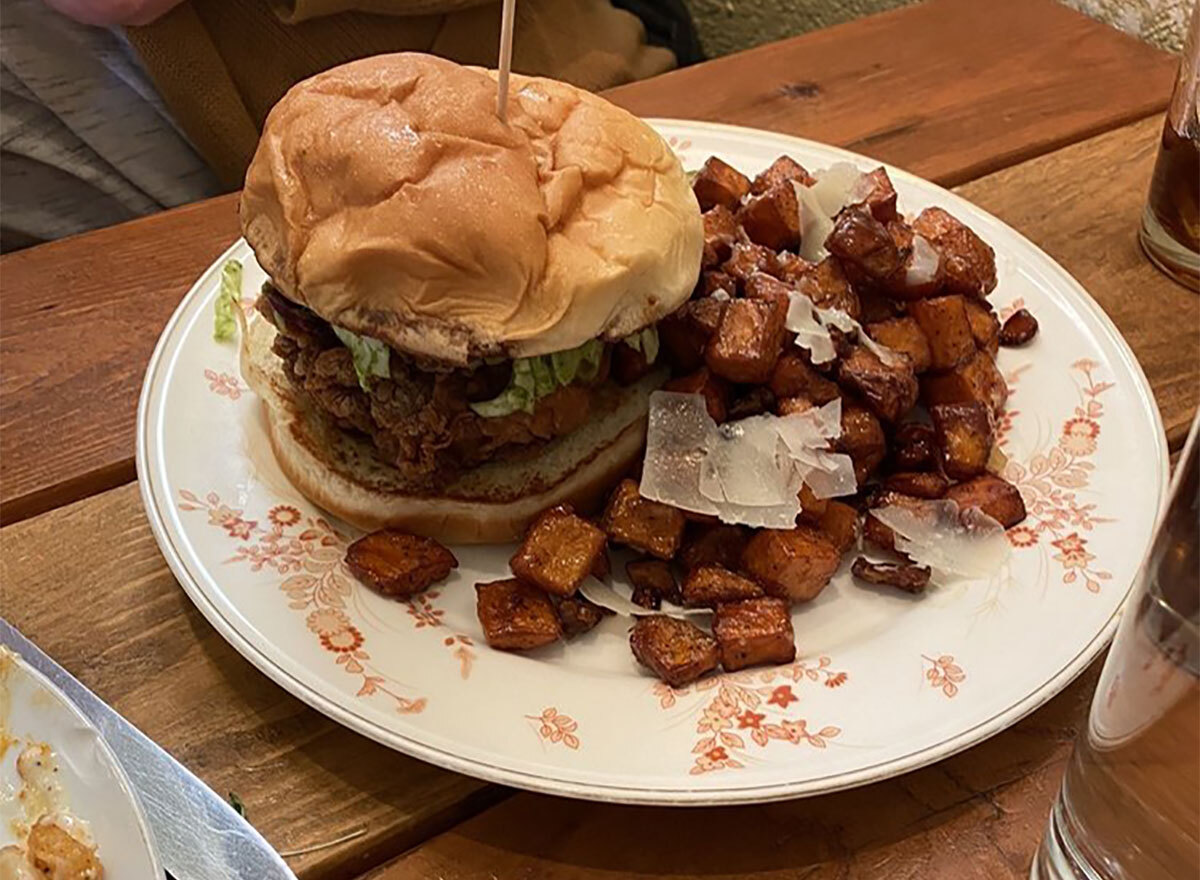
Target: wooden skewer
(505, 62)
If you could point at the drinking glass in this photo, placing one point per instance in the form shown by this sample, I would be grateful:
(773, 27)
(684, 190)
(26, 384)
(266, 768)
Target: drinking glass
(1170, 232)
(1129, 806)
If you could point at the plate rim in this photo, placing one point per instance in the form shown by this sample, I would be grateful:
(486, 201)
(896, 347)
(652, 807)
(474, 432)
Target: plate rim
(110, 757)
(683, 796)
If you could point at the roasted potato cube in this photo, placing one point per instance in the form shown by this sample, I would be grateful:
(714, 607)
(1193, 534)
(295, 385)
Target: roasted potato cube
(793, 377)
(922, 271)
(559, 551)
(902, 575)
(826, 285)
(645, 525)
(944, 322)
(812, 508)
(516, 616)
(398, 564)
(793, 564)
(889, 390)
(710, 585)
(653, 576)
(840, 525)
(977, 380)
(791, 267)
(903, 335)
(603, 566)
(969, 262)
(964, 436)
(748, 341)
(719, 183)
(862, 439)
(783, 170)
(705, 315)
(876, 532)
(684, 333)
(628, 364)
(985, 326)
(881, 197)
(648, 599)
(578, 615)
(786, 406)
(875, 306)
(1020, 327)
(714, 388)
(676, 651)
(914, 447)
(773, 218)
(714, 280)
(754, 632)
(921, 484)
(752, 401)
(760, 285)
(748, 258)
(713, 545)
(720, 234)
(863, 242)
(996, 497)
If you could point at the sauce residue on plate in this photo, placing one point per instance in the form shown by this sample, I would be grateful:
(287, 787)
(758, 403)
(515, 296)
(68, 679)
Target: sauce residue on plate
(37, 806)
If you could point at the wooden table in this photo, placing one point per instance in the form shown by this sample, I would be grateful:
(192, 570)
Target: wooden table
(1041, 116)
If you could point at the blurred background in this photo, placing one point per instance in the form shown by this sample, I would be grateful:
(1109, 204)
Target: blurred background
(726, 26)
(114, 109)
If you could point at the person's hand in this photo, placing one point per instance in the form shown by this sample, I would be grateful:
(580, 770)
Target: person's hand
(107, 13)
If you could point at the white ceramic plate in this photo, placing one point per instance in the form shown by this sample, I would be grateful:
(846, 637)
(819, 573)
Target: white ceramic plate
(883, 683)
(33, 712)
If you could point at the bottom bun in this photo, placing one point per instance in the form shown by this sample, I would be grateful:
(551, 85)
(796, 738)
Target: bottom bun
(491, 504)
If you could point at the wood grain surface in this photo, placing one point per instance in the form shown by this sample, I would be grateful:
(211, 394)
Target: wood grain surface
(948, 89)
(975, 816)
(993, 84)
(87, 584)
(1082, 206)
(979, 814)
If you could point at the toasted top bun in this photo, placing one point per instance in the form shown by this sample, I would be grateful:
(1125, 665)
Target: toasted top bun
(388, 197)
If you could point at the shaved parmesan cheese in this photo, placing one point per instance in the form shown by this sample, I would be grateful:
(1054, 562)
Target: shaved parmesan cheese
(827, 474)
(811, 326)
(966, 544)
(747, 472)
(678, 430)
(810, 333)
(997, 461)
(815, 224)
(923, 265)
(837, 186)
(599, 593)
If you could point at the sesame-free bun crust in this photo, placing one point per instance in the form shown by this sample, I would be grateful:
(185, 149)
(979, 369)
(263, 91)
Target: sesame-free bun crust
(388, 197)
(491, 504)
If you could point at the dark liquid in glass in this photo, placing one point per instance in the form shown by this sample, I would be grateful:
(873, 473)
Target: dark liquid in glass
(1175, 187)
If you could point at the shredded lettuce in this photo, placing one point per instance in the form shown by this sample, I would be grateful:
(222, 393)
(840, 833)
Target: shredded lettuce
(650, 344)
(578, 363)
(544, 381)
(536, 377)
(371, 356)
(229, 298)
(644, 341)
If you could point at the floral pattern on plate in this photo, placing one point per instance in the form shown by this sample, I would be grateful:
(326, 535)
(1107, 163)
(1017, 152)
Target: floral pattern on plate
(1083, 442)
(748, 704)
